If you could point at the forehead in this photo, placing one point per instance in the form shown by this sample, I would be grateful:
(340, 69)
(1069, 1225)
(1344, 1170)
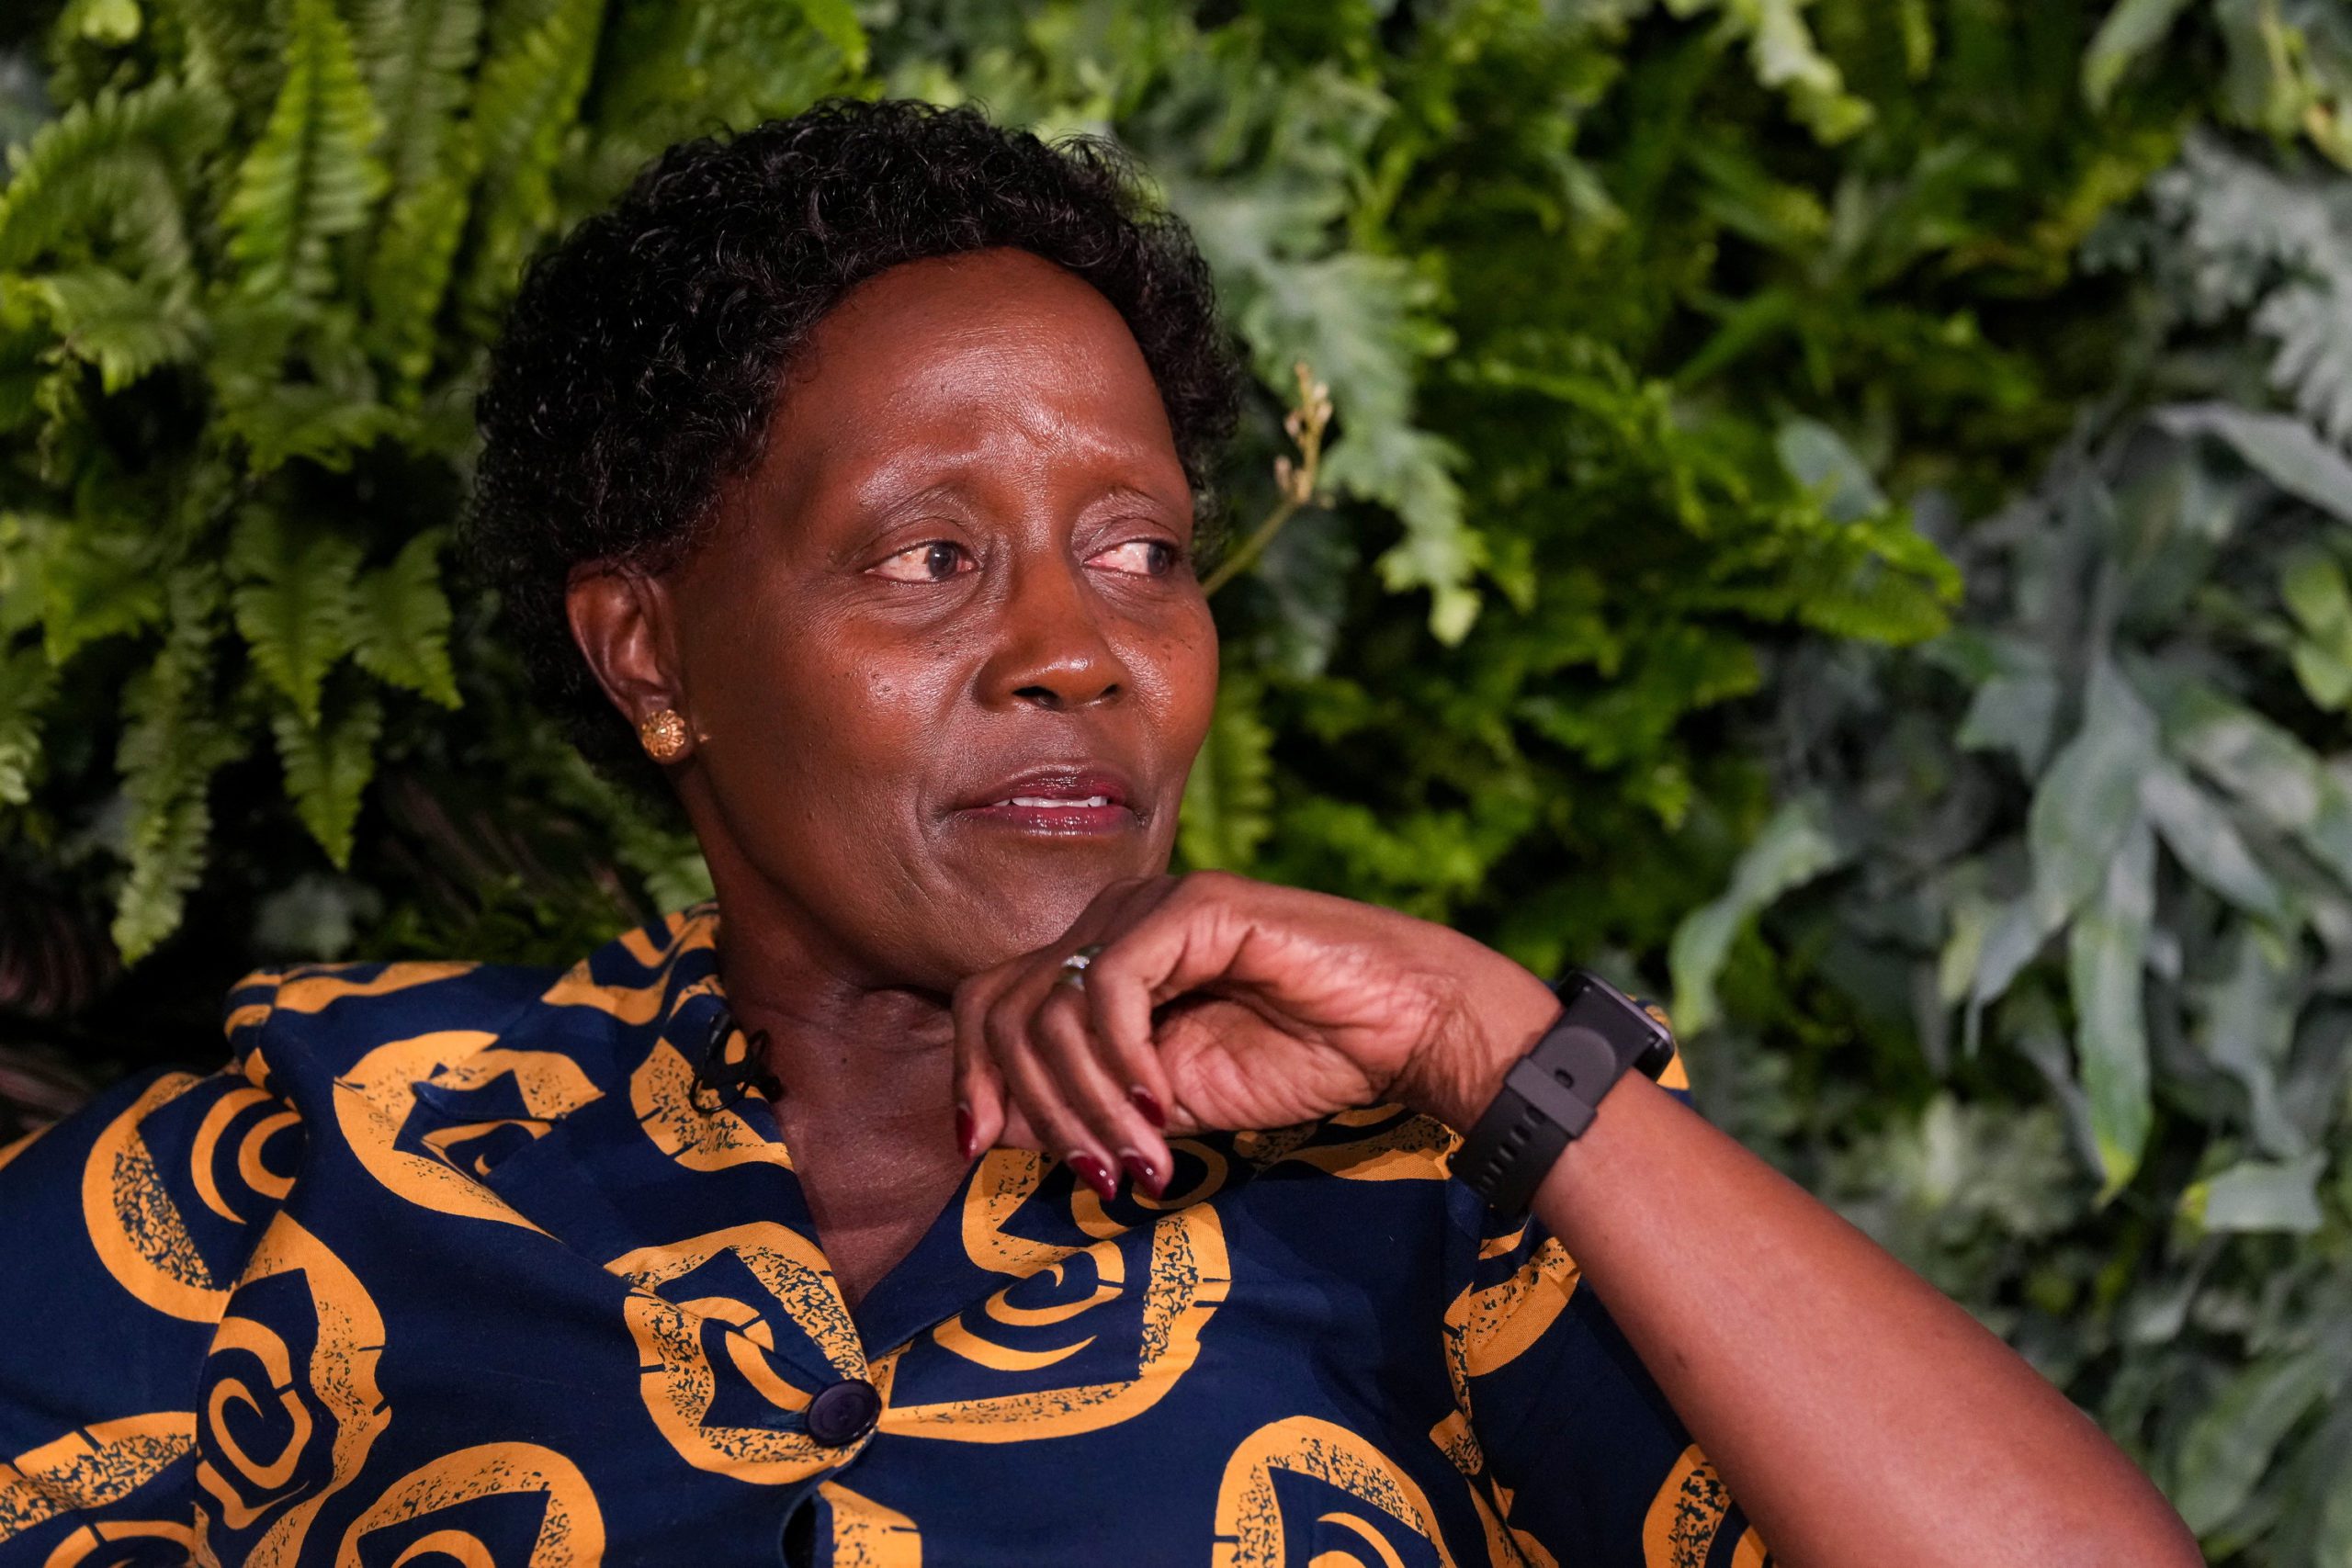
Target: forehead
(992, 357)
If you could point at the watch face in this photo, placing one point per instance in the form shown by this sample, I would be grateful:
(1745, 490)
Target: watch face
(1637, 1030)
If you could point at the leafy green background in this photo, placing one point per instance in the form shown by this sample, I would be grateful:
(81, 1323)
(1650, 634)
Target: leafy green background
(1837, 514)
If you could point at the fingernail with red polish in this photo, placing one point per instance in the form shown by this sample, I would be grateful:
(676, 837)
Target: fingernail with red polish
(963, 1128)
(1140, 1169)
(1149, 1106)
(1093, 1173)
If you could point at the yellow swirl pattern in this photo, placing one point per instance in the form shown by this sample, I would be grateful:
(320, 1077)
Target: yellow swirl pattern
(868, 1535)
(312, 993)
(571, 1532)
(375, 1099)
(90, 1468)
(132, 1203)
(1685, 1514)
(699, 1137)
(338, 1382)
(1251, 1530)
(680, 1384)
(1184, 1282)
(112, 1541)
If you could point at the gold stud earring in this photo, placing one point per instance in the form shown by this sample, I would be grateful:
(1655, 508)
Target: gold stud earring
(663, 733)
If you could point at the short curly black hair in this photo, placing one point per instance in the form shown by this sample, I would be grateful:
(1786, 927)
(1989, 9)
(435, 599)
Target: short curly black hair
(639, 366)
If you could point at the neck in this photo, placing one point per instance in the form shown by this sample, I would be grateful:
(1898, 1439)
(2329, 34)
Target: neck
(850, 1051)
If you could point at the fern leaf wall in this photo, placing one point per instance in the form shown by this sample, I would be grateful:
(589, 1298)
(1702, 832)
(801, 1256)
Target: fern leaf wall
(1805, 478)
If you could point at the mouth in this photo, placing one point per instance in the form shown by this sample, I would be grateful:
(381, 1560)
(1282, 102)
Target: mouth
(1061, 802)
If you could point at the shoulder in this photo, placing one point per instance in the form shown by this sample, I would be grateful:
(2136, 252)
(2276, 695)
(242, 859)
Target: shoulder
(299, 1028)
(325, 1017)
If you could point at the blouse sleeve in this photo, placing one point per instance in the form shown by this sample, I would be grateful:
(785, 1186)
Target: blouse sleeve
(122, 1228)
(1583, 1458)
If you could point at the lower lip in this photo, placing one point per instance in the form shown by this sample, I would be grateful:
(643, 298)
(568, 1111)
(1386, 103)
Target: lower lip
(1061, 821)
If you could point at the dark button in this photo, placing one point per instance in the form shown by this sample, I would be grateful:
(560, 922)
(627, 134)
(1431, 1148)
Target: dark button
(843, 1412)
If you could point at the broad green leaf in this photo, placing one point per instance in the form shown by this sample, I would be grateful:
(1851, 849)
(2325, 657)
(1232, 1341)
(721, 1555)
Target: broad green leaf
(109, 22)
(1795, 846)
(2281, 448)
(327, 769)
(2127, 35)
(1819, 459)
(1229, 797)
(837, 20)
(2312, 584)
(2230, 1443)
(400, 621)
(2107, 950)
(293, 600)
(313, 176)
(2260, 1195)
(2088, 801)
(2244, 1023)
(2200, 833)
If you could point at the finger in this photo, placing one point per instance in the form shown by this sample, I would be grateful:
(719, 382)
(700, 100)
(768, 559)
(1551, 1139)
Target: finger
(981, 1093)
(1062, 1031)
(1032, 1086)
(1187, 938)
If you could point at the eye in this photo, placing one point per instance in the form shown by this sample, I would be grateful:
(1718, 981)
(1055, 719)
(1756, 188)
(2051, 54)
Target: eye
(933, 562)
(1142, 557)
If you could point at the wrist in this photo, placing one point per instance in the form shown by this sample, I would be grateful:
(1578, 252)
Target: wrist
(1499, 1010)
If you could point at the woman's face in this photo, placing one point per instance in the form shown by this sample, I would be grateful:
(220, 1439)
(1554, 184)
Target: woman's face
(946, 646)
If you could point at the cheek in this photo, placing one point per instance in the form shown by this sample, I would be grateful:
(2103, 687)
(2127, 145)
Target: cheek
(1186, 661)
(813, 697)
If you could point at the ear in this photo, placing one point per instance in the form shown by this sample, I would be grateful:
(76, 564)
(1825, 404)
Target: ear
(621, 620)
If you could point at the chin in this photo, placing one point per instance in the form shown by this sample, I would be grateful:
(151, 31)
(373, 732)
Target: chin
(1025, 913)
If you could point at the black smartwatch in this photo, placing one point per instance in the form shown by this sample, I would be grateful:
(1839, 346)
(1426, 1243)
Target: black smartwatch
(1550, 1095)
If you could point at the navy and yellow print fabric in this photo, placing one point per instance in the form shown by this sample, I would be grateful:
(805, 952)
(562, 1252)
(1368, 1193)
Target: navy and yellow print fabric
(460, 1264)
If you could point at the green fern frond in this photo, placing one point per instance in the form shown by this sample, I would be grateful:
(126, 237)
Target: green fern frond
(525, 102)
(222, 46)
(400, 621)
(327, 769)
(174, 743)
(25, 683)
(408, 275)
(103, 319)
(95, 582)
(313, 175)
(1229, 798)
(418, 57)
(320, 425)
(75, 177)
(293, 601)
(2311, 323)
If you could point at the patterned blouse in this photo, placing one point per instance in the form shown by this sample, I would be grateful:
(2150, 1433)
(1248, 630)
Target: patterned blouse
(484, 1265)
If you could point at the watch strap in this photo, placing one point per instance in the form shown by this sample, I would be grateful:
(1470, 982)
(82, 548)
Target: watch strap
(1553, 1092)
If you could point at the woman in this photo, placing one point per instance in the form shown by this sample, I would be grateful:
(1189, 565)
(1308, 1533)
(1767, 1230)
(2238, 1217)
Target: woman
(853, 462)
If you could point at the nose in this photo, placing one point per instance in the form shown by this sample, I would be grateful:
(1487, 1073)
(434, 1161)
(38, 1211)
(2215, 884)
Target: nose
(1052, 653)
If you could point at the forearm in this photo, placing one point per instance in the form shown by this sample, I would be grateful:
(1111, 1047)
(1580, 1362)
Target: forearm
(1859, 1417)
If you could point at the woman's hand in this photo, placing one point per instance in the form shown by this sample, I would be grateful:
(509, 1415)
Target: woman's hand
(1220, 1002)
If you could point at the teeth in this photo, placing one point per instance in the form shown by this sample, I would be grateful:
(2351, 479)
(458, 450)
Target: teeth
(1041, 800)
